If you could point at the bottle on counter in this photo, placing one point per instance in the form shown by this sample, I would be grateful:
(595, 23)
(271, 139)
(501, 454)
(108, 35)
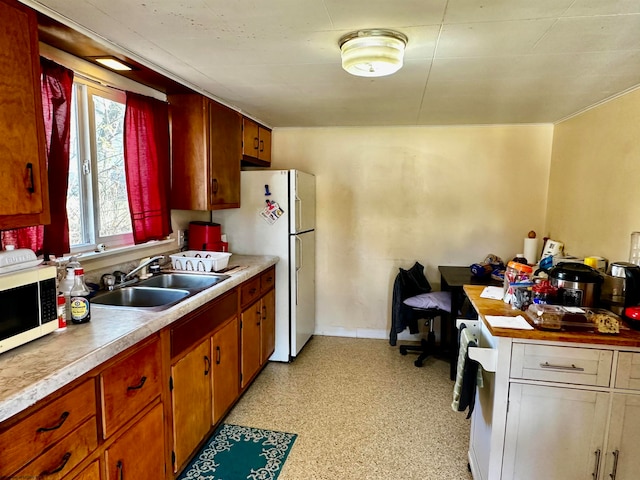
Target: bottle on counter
(66, 284)
(79, 298)
(62, 312)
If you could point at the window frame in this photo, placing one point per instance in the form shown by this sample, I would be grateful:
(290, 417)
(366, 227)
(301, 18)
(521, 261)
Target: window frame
(84, 91)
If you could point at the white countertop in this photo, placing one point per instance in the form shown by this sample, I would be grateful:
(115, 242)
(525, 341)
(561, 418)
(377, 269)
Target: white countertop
(31, 372)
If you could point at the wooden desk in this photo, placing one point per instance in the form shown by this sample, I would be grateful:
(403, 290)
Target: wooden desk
(453, 279)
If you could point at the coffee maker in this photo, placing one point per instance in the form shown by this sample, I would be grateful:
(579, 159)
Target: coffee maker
(621, 287)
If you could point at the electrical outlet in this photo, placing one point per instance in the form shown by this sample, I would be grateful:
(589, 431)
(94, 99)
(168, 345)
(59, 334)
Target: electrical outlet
(182, 238)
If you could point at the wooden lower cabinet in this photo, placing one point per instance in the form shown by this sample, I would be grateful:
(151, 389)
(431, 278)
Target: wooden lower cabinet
(250, 337)
(191, 400)
(204, 373)
(268, 326)
(63, 456)
(258, 335)
(226, 357)
(139, 452)
(24, 441)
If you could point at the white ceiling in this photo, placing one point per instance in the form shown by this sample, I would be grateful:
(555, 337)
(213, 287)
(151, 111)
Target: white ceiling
(467, 61)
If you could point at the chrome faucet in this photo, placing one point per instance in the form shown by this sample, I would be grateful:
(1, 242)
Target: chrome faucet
(142, 265)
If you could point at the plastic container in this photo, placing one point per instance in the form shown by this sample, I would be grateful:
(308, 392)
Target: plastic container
(515, 273)
(574, 319)
(200, 261)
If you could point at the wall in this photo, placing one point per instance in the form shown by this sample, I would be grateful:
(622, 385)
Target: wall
(387, 197)
(594, 194)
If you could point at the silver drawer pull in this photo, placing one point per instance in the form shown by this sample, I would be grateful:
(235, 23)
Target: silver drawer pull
(573, 368)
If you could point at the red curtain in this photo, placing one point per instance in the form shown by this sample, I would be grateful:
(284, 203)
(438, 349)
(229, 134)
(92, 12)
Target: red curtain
(57, 84)
(146, 159)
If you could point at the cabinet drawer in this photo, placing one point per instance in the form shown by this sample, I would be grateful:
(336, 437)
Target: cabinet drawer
(60, 459)
(250, 291)
(129, 385)
(583, 366)
(628, 374)
(267, 280)
(28, 438)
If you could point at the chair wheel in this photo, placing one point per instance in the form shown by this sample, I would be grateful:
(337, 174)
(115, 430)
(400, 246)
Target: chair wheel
(418, 363)
(403, 350)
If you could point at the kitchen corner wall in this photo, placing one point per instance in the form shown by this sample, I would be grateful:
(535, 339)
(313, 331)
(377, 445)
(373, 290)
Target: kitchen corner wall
(388, 196)
(594, 189)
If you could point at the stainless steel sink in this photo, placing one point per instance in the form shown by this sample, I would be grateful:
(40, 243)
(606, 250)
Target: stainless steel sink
(183, 280)
(141, 297)
(160, 291)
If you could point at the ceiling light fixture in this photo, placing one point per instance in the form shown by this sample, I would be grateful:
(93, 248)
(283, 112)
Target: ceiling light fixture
(113, 63)
(373, 52)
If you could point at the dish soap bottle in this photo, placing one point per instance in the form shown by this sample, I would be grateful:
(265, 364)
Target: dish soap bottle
(79, 297)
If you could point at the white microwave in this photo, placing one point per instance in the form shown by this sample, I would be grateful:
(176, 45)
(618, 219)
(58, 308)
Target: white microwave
(28, 300)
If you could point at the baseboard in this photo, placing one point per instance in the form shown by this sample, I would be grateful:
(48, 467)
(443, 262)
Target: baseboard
(365, 333)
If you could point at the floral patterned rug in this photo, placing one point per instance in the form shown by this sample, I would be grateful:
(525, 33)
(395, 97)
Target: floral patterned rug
(239, 453)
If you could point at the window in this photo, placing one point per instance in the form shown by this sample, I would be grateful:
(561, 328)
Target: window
(97, 204)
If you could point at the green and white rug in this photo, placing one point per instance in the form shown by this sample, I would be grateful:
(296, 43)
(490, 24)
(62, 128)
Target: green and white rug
(239, 453)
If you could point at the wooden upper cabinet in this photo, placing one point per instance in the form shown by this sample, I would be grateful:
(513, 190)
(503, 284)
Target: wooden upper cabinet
(24, 194)
(256, 143)
(206, 150)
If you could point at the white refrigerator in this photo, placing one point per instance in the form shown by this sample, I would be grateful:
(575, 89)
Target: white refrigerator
(277, 216)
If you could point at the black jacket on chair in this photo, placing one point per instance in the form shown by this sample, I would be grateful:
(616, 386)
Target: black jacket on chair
(408, 283)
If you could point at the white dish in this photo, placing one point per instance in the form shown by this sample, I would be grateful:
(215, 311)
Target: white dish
(20, 266)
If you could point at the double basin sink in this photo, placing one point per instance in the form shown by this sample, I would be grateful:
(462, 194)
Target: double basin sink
(160, 291)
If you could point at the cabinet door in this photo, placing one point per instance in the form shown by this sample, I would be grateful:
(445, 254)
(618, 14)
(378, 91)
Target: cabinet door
(23, 183)
(268, 326)
(225, 368)
(553, 433)
(225, 153)
(139, 452)
(622, 457)
(264, 144)
(191, 400)
(250, 338)
(250, 139)
(189, 152)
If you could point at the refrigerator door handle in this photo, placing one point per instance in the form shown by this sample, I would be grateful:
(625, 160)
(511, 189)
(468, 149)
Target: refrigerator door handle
(298, 201)
(298, 263)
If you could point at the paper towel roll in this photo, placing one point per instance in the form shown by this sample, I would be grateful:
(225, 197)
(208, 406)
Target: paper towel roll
(531, 250)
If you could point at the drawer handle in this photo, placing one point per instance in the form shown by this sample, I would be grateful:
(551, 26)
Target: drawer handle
(253, 291)
(218, 355)
(597, 466)
(561, 367)
(63, 464)
(207, 365)
(63, 417)
(139, 386)
(614, 472)
(120, 468)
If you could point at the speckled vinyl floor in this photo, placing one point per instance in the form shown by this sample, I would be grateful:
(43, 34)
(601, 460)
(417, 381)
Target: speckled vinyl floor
(361, 411)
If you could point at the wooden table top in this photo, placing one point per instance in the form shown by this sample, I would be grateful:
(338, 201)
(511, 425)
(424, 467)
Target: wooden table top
(484, 306)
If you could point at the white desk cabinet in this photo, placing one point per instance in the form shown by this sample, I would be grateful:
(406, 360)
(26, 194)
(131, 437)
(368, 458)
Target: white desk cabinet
(565, 409)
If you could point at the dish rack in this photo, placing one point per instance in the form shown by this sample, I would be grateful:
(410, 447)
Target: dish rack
(200, 261)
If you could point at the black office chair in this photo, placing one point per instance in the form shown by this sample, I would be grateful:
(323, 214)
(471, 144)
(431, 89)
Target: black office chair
(413, 301)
